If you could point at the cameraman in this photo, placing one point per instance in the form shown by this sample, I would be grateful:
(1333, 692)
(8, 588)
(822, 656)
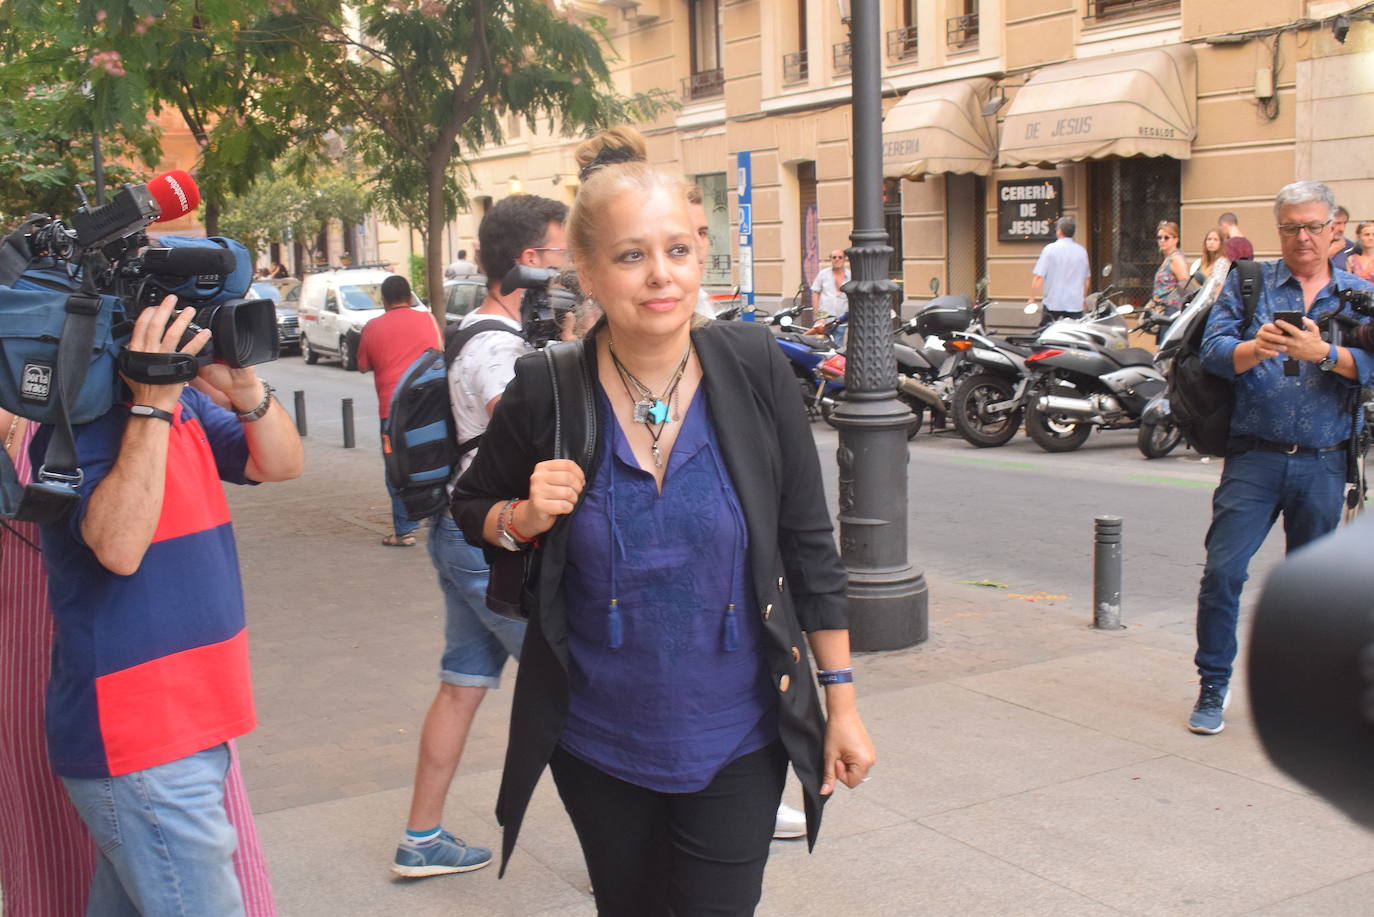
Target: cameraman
(528, 230)
(150, 673)
(1290, 431)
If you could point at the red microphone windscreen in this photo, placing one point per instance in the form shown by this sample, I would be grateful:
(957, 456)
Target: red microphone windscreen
(176, 194)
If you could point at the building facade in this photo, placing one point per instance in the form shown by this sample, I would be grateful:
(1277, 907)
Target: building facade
(1001, 114)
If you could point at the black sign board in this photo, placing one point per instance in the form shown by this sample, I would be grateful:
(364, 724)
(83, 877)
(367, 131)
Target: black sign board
(1027, 209)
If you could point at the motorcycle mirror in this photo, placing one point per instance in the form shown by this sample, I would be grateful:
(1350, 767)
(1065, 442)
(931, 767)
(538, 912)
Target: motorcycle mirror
(785, 321)
(982, 285)
(934, 286)
(1125, 309)
(1107, 270)
(1031, 308)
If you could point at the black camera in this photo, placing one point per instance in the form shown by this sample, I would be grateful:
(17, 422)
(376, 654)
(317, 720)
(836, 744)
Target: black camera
(1361, 303)
(1312, 668)
(243, 332)
(549, 296)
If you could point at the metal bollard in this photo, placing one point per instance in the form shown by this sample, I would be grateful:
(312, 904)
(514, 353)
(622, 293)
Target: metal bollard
(349, 440)
(300, 412)
(1107, 573)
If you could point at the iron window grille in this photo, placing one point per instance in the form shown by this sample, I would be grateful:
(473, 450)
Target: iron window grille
(901, 43)
(794, 67)
(1106, 9)
(961, 31)
(719, 264)
(704, 85)
(840, 55)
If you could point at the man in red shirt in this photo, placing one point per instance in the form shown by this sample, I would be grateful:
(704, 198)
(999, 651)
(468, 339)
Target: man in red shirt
(389, 344)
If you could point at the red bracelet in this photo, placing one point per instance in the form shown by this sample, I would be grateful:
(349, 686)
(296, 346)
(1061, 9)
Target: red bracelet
(510, 523)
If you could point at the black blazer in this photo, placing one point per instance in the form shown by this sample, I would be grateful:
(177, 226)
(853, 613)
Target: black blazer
(799, 583)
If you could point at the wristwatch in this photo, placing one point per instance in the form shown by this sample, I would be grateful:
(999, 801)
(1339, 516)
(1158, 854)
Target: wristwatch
(147, 410)
(258, 412)
(1330, 362)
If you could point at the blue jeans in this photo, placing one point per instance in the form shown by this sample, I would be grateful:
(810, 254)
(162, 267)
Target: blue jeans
(477, 640)
(400, 522)
(1255, 488)
(165, 843)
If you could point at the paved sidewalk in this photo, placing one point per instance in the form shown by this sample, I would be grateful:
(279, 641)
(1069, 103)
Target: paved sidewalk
(1027, 764)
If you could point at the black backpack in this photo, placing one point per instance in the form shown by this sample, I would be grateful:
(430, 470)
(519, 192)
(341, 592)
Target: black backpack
(1199, 402)
(421, 448)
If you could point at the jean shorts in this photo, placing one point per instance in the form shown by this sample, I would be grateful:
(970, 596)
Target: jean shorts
(477, 641)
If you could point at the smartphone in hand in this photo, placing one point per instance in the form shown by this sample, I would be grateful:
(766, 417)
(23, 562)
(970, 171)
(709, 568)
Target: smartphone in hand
(1293, 317)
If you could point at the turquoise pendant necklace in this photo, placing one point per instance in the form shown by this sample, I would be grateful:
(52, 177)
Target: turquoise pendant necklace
(649, 409)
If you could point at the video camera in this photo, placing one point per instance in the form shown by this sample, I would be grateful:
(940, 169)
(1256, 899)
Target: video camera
(544, 303)
(1361, 302)
(68, 297)
(105, 249)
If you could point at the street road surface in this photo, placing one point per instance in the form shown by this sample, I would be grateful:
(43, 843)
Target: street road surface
(1014, 515)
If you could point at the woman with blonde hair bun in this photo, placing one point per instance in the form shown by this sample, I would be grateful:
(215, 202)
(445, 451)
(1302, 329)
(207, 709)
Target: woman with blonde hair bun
(664, 677)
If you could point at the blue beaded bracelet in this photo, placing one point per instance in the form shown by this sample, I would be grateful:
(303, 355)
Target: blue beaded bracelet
(826, 677)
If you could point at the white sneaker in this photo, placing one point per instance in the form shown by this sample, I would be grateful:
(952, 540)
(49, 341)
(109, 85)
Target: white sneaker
(791, 824)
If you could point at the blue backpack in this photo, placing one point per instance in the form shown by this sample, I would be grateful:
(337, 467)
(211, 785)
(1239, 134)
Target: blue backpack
(421, 449)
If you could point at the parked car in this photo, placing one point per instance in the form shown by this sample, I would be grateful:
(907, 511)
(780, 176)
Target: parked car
(334, 307)
(462, 295)
(284, 297)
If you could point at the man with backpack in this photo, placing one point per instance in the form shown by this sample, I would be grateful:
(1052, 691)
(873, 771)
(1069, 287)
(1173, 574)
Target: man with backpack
(527, 230)
(1293, 419)
(389, 344)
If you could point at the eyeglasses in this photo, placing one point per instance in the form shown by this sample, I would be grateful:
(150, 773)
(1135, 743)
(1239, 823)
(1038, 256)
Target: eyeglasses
(1162, 238)
(559, 250)
(1292, 229)
(837, 257)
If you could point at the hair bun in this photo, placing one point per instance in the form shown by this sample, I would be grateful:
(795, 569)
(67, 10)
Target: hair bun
(607, 157)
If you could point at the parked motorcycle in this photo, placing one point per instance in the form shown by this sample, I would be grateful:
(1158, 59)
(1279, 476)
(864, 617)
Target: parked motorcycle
(1159, 435)
(1084, 375)
(984, 406)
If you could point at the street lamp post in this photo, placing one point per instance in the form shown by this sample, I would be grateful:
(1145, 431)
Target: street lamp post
(887, 595)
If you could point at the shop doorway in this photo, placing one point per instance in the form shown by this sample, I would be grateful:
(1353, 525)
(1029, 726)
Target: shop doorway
(1127, 200)
(966, 243)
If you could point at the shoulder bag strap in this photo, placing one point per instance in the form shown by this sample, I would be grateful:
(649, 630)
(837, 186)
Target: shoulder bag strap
(571, 378)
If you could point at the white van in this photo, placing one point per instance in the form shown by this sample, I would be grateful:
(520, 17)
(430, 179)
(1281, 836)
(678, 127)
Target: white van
(334, 307)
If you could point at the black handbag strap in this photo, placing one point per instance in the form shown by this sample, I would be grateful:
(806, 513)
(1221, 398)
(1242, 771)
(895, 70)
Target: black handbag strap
(571, 378)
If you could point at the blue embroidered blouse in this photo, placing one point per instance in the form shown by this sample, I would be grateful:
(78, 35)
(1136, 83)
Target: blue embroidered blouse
(667, 680)
(1311, 409)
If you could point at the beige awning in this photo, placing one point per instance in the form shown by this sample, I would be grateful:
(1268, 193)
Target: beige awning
(939, 129)
(1142, 103)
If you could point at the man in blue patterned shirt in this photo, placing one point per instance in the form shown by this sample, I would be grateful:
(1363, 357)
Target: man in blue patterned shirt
(1289, 432)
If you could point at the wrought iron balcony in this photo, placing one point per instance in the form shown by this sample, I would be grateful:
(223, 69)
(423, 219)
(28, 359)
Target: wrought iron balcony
(961, 31)
(704, 85)
(794, 67)
(1106, 9)
(719, 264)
(841, 56)
(901, 43)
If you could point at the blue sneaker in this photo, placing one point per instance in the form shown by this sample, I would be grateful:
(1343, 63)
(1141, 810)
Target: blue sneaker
(1212, 702)
(443, 855)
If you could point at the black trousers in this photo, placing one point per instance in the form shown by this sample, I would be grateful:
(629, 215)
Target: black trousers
(652, 854)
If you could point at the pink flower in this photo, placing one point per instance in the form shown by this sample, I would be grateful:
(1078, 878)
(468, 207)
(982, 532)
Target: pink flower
(109, 61)
(432, 8)
(100, 16)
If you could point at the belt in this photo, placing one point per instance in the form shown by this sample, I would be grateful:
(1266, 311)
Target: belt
(1255, 444)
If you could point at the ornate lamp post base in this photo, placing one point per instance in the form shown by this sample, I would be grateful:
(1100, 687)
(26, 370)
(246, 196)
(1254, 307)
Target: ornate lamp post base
(888, 603)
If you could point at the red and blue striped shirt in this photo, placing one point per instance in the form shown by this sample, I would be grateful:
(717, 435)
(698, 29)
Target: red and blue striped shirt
(151, 667)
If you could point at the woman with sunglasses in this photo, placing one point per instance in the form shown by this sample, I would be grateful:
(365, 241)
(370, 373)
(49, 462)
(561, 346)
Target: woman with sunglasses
(1172, 275)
